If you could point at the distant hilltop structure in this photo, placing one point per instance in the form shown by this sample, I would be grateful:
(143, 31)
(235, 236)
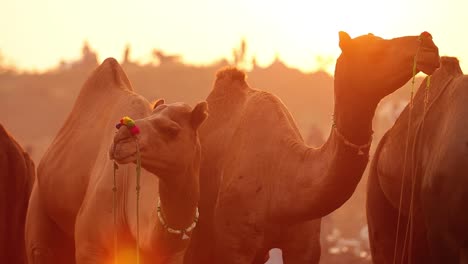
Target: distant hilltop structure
(88, 59)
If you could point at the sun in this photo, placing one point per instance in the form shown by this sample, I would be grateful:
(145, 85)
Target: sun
(306, 32)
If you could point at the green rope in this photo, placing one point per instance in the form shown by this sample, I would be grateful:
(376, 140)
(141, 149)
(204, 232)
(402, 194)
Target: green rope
(410, 116)
(114, 208)
(405, 159)
(138, 173)
(134, 130)
(414, 77)
(426, 94)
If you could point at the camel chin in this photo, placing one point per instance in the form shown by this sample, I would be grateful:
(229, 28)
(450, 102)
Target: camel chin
(429, 61)
(428, 67)
(131, 158)
(123, 152)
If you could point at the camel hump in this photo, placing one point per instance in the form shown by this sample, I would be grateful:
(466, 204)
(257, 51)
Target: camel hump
(228, 76)
(4, 135)
(4, 138)
(451, 64)
(109, 73)
(3, 130)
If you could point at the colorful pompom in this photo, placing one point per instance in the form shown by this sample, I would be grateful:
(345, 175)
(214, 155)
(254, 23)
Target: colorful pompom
(135, 130)
(130, 124)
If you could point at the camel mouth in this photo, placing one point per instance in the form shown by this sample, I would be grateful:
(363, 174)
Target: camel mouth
(430, 60)
(123, 151)
(428, 67)
(126, 159)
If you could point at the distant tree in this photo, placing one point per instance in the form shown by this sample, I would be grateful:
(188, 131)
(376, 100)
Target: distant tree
(126, 58)
(239, 54)
(88, 56)
(254, 63)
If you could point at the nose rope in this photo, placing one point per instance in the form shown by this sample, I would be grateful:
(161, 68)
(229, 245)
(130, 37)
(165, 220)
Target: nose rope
(413, 185)
(134, 130)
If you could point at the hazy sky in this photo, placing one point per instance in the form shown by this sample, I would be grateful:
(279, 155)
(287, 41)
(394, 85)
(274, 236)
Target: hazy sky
(36, 34)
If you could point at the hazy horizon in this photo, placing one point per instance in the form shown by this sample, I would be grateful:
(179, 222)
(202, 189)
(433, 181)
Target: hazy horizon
(41, 34)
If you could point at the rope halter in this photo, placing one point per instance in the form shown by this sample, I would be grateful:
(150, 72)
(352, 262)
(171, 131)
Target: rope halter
(348, 143)
(183, 233)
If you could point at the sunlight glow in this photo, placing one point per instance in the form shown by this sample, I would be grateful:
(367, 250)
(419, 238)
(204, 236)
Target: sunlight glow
(38, 34)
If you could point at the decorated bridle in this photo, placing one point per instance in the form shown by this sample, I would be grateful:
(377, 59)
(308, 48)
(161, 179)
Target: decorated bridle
(183, 233)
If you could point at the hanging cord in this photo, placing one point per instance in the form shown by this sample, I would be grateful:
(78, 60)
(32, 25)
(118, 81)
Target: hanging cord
(405, 159)
(405, 162)
(138, 173)
(417, 137)
(427, 106)
(408, 240)
(134, 130)
(114, 207)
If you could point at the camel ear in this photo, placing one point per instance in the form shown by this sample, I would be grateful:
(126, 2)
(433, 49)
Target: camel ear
(158, 103)
(345, 40)
(199, 114)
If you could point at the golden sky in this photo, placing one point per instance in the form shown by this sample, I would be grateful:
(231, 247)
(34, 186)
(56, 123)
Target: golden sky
(37, 34)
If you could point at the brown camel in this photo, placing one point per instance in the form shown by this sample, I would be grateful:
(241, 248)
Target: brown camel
(16, 181)
(71, 220)
(435, 177)
(261, 186)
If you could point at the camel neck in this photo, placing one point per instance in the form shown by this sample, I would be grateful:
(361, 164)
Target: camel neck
(333, 170)
(179, 197)
(354, 121)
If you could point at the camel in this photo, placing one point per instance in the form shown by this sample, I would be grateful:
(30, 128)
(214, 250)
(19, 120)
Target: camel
(261, 186)
(71, 219)
(16, 182)
(434, 179)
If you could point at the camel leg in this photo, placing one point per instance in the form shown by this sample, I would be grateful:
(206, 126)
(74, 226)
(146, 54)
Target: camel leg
(302, 243)
(45, 242)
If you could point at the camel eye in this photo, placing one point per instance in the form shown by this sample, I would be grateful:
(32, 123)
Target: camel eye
(170, 130)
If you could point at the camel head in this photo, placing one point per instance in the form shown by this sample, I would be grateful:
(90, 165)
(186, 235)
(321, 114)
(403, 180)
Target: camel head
(168, 139)
(370, 67)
